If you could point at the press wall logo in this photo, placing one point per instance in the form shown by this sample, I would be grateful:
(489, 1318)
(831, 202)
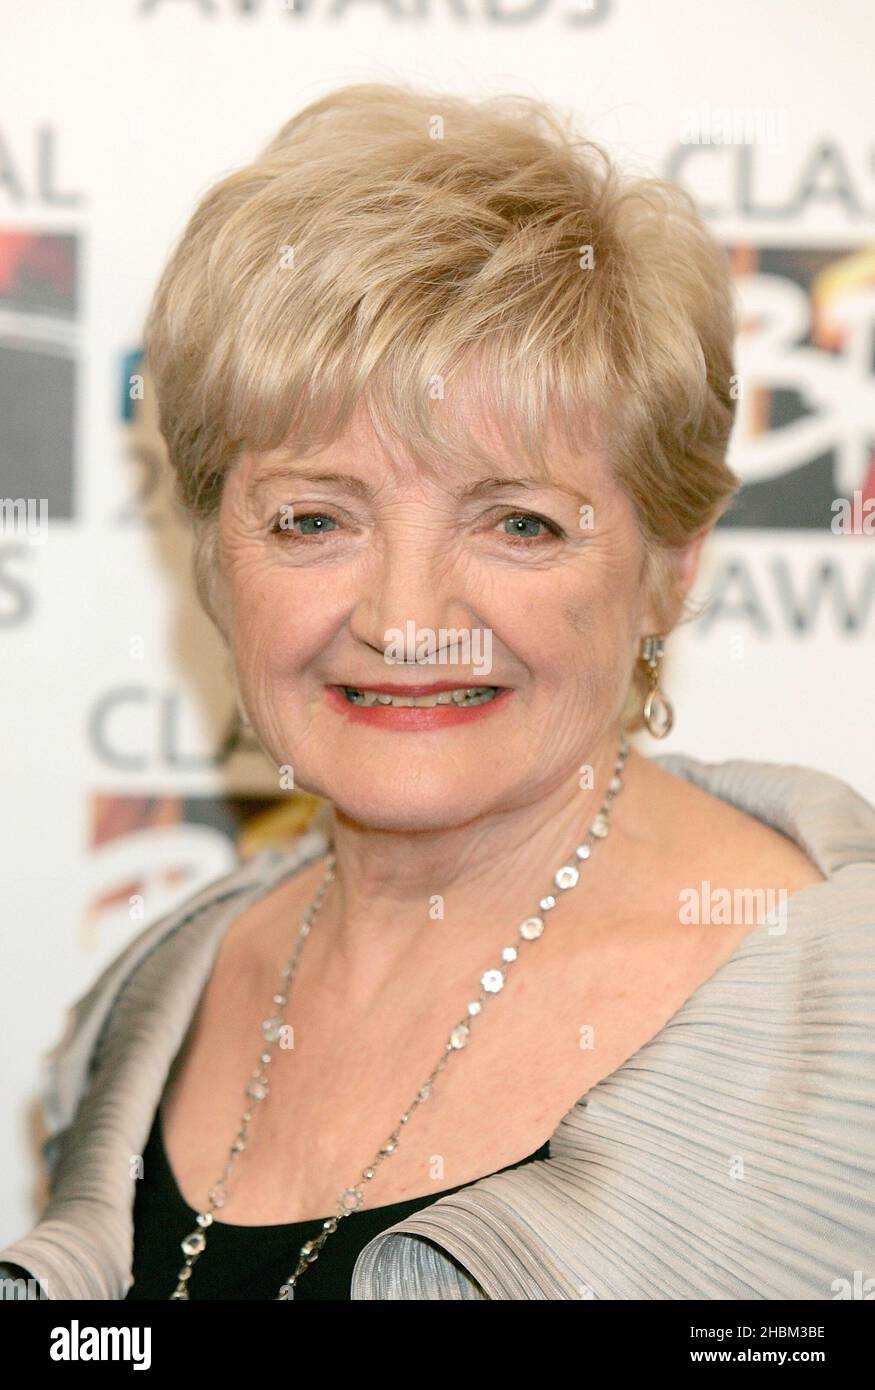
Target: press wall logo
(492, 12)
(803, 446)
(39, 366)
(148, 852)
(806, 416)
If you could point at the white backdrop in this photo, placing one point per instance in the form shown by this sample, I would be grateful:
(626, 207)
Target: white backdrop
(123, 779)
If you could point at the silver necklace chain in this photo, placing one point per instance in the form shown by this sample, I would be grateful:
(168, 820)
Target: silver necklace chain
(491, 983)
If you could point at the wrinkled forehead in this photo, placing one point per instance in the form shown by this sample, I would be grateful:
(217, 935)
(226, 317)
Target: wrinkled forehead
(368, 450)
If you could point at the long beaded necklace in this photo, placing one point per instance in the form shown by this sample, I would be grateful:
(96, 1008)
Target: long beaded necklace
(491, 983)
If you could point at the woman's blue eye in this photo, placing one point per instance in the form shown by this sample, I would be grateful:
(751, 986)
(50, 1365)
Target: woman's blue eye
(523, 519)
(286, 522)
(524, 525)
(319, 523)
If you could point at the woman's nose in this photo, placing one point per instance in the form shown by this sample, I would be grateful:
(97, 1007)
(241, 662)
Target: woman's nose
(410, 587)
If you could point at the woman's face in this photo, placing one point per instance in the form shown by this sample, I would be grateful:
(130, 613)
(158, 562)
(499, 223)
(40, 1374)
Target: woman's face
(490, 579)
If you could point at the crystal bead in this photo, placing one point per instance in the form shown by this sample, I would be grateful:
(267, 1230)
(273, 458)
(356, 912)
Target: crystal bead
(330, 1224)
(599, 826)
(239, 1144)
(179, 1293)
(205, 1219)
(272, 1029)
(567, 876)
(547, 903)
(257, 1089)
(425, 1092)
(194, 1244)
(185, 1274)
(615, 784)
(350, 1199)
(474, 1007)
(218, 1195)
(492, 981)
(531, 928)
(583, 851)
(389, 1147)
(509, 953)
(459, 1035)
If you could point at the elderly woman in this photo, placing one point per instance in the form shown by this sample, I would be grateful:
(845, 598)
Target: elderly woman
(448, 400)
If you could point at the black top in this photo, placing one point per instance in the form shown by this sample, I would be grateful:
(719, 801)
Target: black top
(250, 1262)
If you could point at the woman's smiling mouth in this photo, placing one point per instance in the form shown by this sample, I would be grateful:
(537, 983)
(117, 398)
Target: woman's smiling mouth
(458, 695)
(416, 706)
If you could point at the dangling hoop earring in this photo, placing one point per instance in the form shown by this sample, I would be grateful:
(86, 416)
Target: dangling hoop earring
(658, 711)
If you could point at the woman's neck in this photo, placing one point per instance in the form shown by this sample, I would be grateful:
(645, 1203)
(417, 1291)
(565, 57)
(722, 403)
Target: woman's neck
(396, 890)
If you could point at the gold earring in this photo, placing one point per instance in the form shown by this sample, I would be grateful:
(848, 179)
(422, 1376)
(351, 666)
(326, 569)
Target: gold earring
(658, 711)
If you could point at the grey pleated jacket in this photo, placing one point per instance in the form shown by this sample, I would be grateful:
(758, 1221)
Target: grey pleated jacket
(731, 1157)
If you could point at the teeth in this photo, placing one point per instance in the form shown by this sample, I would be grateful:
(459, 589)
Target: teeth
(465, 695)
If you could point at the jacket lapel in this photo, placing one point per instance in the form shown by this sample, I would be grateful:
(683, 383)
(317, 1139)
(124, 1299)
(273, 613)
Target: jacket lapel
(106, 1077)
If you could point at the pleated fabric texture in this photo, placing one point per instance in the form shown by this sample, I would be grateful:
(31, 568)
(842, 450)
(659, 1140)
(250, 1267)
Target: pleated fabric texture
(731, 1157)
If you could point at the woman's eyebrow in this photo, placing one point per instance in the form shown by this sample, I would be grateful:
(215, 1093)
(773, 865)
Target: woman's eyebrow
(488, 485)
(359, 486)
(303, 474)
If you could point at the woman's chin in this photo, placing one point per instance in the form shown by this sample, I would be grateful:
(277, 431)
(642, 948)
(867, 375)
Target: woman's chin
(393, 808)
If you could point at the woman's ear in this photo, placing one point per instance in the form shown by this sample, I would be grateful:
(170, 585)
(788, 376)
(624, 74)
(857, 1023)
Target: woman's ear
(688, 561)
(672, 575)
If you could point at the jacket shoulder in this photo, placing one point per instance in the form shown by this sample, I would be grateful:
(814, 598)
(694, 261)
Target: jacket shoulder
(827, 817)
(67, 1067)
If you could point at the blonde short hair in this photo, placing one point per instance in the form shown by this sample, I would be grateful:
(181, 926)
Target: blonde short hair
(388, 242)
